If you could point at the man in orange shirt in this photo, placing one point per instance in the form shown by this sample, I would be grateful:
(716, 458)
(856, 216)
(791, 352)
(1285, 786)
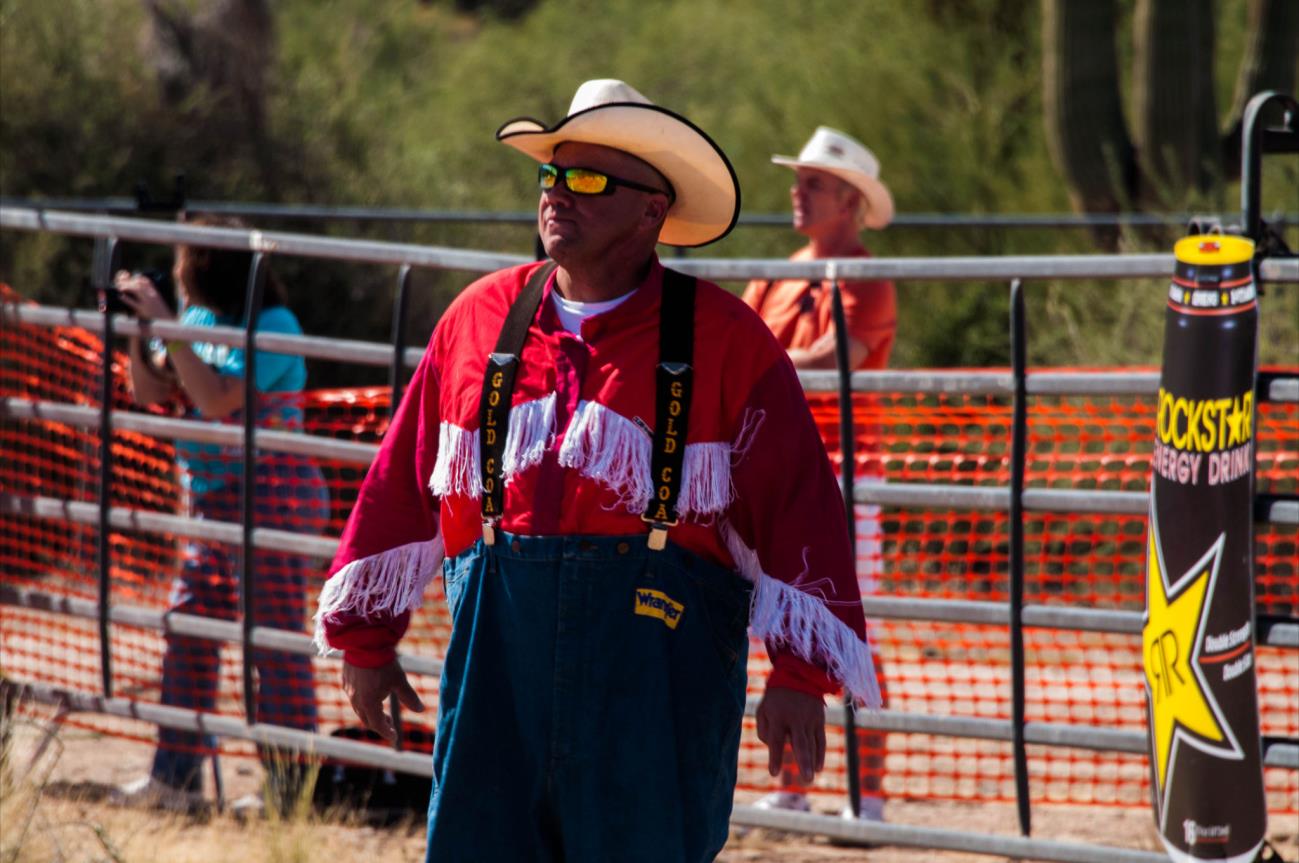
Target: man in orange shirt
(836, 194)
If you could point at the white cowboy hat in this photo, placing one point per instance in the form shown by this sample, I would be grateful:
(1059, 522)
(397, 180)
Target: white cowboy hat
(613, 114)
(849, 160)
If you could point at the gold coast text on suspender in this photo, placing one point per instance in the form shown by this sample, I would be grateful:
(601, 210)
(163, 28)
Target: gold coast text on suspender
(673, 387)
(673, 380)
(498, 391)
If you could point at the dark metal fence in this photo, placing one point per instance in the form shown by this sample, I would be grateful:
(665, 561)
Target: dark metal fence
(141, 205)
(1018, 384)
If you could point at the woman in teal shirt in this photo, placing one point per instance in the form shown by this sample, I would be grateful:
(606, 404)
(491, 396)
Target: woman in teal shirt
(290, 495)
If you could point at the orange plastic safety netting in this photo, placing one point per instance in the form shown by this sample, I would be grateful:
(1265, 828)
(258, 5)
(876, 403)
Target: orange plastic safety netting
(932, 668)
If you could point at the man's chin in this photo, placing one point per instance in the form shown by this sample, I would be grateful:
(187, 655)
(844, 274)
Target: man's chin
(554, 233)
(560, 248)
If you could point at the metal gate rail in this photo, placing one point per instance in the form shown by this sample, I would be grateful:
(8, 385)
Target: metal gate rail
(1017, 385)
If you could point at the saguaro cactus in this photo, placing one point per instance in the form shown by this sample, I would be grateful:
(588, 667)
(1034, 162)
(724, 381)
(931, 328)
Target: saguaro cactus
(1177, 149)
(1174, 110)
(1084, 115)
(224, 51)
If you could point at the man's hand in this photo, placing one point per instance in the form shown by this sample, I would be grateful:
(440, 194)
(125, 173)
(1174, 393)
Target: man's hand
(789, 715)
(369, 688)
(821, 353)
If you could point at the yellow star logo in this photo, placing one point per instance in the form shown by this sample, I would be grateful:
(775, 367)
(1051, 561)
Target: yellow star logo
(1182, 708)
(1238, 421)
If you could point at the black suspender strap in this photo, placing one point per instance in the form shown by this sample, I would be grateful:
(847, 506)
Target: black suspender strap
(498, 390)
(673, 378)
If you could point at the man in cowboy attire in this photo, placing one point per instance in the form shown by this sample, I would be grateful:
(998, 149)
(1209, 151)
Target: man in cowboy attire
(837, 193)
(614, 467)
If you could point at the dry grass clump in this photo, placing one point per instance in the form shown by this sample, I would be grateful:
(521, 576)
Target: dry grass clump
(48, 817)
(29, 829)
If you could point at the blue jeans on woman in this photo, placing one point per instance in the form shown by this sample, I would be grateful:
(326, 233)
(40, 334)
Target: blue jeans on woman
(291, 495)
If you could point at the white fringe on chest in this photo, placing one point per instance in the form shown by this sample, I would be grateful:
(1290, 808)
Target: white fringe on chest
(456, 471)
(600, 444)
(786, 616)
(609, 448)
(381, 585)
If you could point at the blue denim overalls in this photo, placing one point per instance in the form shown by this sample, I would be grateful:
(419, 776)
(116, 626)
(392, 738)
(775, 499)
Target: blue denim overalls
(591, 700)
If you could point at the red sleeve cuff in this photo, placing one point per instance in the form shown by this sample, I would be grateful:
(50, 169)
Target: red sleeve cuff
(366, 644)
(361, 657)
(790, 672)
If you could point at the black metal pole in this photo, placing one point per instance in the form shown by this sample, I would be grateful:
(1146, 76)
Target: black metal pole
(1255, 141)
(252, 310)
(847, 443)
(396, 385)
(105, 263)
(397, 374)
(1018, 456)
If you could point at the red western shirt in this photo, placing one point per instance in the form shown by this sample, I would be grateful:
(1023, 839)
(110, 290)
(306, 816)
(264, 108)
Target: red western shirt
(757, 493)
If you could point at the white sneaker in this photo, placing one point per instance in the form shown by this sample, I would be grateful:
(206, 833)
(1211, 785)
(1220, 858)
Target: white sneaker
(250, 807)
(869, 809)
(149, 793)
(791, 801)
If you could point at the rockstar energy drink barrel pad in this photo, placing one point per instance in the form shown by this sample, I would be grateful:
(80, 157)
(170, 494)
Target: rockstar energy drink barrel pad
(1198, 634)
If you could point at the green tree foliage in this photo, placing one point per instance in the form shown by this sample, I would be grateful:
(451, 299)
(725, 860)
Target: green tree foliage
(395, 102)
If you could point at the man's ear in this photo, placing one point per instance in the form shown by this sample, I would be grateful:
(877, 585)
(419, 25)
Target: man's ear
(852, 200)
(656, 210)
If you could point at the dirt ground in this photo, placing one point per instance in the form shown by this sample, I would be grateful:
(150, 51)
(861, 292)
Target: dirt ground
(55, 810)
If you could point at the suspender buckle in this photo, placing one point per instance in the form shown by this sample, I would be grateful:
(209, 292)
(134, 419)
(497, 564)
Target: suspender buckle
(658, 535)
(489, 530)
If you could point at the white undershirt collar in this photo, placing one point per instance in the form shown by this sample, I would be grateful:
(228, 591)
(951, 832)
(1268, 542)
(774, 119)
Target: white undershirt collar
(572, 313)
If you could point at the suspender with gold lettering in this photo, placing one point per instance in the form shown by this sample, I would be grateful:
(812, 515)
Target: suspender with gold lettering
(673, 378)
(498, 390)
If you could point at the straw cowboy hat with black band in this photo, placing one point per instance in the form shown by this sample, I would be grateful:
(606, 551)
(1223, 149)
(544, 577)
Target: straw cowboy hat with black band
(611, 113)
(851, 161)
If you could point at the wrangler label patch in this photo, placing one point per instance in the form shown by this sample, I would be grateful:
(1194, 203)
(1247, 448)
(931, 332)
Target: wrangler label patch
(653, 603)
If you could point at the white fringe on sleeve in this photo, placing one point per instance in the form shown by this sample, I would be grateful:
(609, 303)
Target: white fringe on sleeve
(388, 584)
(785, 615)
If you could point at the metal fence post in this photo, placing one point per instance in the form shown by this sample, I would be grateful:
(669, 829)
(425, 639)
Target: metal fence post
(847, 447)
(396, 385)
(1018, 457)
(252, 310)
(105, 264)
(1257, 140)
